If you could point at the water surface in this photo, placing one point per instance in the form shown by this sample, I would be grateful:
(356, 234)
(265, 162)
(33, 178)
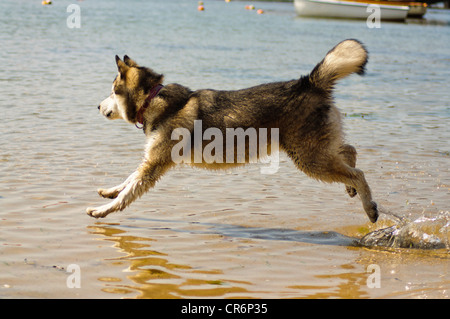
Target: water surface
(213, 234)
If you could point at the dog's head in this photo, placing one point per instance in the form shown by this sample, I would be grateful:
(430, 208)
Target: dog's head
(130, 89)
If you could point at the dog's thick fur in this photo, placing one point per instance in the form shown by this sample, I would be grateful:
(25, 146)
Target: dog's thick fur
(310, 129)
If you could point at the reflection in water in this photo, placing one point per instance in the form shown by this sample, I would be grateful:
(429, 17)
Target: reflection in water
(154, 276)
(350, 287)
(232, 261)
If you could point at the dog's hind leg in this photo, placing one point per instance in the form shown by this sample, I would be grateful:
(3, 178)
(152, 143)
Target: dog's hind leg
(338, 171)
(357, 180)
(113, 192)
(332, 168)
(348, 153)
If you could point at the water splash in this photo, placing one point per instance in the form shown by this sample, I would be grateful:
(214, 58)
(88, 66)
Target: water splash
(422, 233)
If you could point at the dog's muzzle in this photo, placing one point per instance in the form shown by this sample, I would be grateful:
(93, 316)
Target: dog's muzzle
(109, 108)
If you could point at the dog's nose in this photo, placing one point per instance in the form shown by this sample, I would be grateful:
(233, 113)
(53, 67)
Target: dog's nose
(99, 107)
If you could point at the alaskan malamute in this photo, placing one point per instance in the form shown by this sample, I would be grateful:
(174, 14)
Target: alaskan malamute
(308, 124)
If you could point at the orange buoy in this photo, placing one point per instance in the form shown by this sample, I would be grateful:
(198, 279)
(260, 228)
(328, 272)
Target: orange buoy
(201, 8)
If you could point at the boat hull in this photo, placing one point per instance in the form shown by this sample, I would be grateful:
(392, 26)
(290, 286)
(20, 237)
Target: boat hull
(347, 9)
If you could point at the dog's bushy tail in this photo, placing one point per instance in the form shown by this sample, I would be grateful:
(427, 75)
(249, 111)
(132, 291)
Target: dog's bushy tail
(346, 58)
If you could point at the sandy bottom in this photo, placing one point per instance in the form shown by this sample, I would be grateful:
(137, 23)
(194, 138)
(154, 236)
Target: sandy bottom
(202, 234)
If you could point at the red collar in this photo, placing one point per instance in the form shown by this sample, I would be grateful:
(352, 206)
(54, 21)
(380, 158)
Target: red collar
(153, 93)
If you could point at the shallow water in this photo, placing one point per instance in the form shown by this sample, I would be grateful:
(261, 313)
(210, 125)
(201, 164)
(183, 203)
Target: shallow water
(213, 234)
(423, 233)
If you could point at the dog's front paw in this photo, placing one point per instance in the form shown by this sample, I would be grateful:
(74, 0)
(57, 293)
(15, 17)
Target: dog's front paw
(97, 212)
(108, 193)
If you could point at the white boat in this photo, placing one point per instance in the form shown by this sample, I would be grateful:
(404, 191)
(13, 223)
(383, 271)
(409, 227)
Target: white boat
(348, 9)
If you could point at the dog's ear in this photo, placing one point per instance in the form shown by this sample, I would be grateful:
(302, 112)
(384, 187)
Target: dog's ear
(121, 66)
(129, 62)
